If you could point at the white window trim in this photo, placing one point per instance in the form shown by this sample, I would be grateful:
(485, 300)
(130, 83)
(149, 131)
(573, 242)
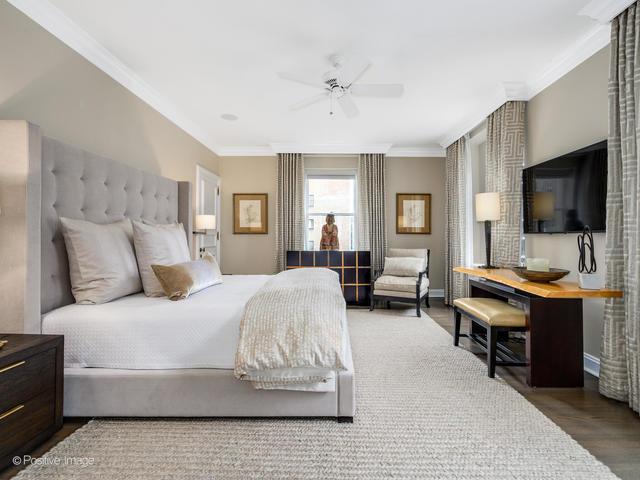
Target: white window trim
(332, 173)
(473, 142)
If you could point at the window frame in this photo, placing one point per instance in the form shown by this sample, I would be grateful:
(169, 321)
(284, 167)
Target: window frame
(332, 175)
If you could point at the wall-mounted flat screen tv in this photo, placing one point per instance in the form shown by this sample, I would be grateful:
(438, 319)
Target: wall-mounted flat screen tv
(567, 193)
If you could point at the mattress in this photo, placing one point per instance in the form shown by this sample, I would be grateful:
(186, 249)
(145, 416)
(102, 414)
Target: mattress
(139, 332)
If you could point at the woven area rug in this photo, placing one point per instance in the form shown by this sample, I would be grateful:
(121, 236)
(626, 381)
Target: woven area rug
(424, 410)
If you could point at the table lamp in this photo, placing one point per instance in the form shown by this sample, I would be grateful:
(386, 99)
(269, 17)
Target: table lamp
(487, 210)
(204, 223)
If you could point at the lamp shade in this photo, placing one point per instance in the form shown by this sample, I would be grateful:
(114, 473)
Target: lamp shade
(487, 206)
(205, 222)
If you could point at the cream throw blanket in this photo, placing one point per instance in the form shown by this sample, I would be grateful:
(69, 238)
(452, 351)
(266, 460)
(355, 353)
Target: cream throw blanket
(292, 330)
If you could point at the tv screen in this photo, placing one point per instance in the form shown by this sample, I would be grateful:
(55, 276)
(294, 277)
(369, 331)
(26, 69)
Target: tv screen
(567, 193)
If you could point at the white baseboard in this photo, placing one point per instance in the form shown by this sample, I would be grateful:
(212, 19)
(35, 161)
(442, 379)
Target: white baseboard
(436, 293)
(592, 365)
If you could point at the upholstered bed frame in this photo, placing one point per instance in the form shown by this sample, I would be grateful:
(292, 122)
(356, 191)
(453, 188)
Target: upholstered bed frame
(67, 181)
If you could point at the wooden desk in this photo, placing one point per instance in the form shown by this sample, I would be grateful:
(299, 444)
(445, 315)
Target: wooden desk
(560, 289)
(554, 322)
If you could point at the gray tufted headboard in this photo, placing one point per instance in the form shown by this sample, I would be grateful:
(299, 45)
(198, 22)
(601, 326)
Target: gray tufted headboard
(78, 184)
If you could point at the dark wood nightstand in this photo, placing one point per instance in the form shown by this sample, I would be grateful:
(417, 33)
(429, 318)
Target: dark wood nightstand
(31, 387)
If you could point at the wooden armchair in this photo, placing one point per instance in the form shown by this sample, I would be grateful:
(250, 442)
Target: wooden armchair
(390, 288)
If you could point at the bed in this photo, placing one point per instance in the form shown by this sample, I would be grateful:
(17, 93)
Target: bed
(140, 356)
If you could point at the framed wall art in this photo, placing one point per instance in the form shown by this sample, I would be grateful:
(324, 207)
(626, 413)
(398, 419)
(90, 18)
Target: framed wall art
(250, 213)
(413, 213)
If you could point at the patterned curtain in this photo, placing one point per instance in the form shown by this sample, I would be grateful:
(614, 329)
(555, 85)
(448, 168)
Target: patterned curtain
(620, 353)
(372, 227)
(455, 208)
(505, 159)
(289, 206)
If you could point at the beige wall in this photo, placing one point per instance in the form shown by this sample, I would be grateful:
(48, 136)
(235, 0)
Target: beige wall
(247, 253)
(570, 114)
(48, 84)
(256, 253)
(20, 147)
(419, 175)
(45, 82)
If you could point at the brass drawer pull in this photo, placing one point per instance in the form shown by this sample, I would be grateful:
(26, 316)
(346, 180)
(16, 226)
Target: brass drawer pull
(11, 367)
(11, 412)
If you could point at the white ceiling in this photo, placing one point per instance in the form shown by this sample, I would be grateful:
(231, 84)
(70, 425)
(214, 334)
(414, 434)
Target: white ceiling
(195, 60)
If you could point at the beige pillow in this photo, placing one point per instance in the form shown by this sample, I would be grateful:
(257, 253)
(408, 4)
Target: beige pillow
(102, 263)
(158, 245)
(403, 266)
(181, 280)
(410, 252)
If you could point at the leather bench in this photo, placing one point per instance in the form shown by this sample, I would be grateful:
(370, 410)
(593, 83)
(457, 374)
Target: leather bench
(495, 316)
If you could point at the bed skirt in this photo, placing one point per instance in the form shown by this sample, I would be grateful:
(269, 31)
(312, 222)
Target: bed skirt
(197, 392)
(98, 392)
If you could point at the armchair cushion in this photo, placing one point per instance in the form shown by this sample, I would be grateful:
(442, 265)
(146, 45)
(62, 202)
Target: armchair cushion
(403, 266)
(389, 283)
(410, 252)
(392, 293)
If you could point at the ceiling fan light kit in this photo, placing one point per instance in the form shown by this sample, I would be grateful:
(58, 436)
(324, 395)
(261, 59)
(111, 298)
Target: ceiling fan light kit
(339, 85)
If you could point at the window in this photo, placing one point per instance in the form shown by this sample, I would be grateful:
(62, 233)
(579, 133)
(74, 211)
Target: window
(331, 194)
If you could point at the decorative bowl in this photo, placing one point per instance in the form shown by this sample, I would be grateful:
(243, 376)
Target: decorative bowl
(541, 277)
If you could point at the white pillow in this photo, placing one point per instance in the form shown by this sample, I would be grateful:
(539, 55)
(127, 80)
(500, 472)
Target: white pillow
(158, 245)
(403, 266)
(102, 263)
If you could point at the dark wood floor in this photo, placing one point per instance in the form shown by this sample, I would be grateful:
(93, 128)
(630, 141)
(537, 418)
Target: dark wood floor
(610, 430)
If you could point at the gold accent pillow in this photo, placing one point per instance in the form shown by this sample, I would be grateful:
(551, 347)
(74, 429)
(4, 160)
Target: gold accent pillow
(182, 279)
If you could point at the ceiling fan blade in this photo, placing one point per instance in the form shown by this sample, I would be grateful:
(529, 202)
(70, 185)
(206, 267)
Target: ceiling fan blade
(353, 70)
(348, 106)
(309, 101)
(380, 90)
(295, 78)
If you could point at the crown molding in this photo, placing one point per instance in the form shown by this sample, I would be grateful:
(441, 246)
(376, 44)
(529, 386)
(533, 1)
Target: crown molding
(259, 151)
(490, 104)
(330, 148)
(591, 43)
(603, 11)
(588, 45)
(62, 27)
(515, 91)
(435, 151)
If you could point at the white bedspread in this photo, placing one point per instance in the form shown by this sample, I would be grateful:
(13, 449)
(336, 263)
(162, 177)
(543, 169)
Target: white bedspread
(293, 331)
(139, 332)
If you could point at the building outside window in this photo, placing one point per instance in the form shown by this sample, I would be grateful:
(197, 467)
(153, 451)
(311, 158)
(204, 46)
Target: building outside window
(331, 194)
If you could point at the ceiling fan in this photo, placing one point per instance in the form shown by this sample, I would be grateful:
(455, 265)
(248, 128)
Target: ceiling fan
(339, 85)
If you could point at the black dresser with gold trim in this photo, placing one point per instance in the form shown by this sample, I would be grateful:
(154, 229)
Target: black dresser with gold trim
(353, 267)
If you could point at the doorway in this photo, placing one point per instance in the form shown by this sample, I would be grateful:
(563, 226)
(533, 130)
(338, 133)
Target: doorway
(208, 203)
